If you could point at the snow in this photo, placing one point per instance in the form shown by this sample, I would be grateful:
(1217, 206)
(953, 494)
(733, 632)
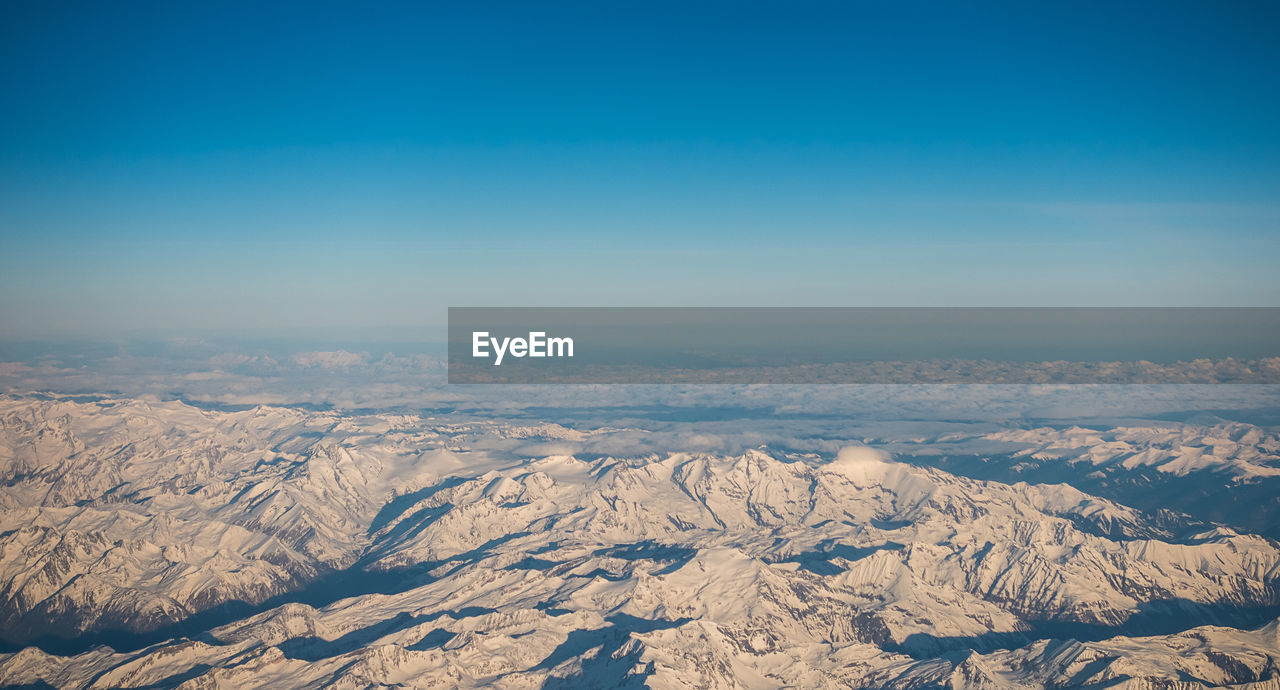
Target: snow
(470, 561)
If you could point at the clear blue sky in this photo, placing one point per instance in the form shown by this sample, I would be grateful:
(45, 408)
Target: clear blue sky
(260, 165)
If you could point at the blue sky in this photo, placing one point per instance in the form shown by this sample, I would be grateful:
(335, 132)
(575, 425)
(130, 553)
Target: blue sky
(232, 166)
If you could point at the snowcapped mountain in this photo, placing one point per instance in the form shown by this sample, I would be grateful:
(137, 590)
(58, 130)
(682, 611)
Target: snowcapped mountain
(1243, 451)
(1216, 470)
(273, 547)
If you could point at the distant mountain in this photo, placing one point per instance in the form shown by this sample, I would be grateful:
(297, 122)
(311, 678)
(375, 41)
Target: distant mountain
(1216, 470)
